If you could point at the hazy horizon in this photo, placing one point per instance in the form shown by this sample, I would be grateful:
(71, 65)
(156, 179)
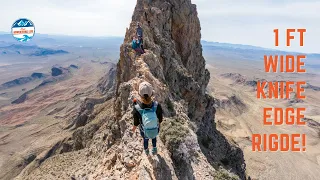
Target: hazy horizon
(250, 45)
(237, 22)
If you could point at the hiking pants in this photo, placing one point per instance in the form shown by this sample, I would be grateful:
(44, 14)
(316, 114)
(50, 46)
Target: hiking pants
(139, 50)
(141, 44)
(146, 140)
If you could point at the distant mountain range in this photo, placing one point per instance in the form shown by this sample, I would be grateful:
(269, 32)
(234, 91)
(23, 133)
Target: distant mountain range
(247, 52)
(234, 46)
(43, 40)
(245, 47)
(116, 40)
(22, 80)
(210, 49)
(29, 50)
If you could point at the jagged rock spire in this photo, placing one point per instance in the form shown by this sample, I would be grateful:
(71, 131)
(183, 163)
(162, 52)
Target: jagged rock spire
(174, 65)
(172, 37)
(102, 145)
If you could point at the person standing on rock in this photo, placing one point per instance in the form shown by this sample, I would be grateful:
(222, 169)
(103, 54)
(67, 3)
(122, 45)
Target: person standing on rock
(136, 45)
(139, 33)
(147, 114)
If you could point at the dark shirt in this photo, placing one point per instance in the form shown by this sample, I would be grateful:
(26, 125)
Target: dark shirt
(137, 116)
(139, 31)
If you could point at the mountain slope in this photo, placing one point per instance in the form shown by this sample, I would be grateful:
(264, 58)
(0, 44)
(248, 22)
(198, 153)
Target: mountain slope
(176, 68)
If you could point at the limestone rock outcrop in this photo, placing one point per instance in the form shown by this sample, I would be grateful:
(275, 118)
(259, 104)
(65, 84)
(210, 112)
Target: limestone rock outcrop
(103, 146)
(174, 65)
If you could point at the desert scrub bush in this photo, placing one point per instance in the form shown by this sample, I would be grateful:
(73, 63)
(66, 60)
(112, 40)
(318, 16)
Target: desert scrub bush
(223, 174)
(172, 133)
(188, 149)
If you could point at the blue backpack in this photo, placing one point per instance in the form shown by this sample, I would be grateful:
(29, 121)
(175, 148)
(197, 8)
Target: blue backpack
(149, 120)
(134, 44)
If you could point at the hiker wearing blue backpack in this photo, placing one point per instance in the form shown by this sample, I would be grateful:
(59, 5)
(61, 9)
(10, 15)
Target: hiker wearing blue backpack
(147, 114)
(136, 45)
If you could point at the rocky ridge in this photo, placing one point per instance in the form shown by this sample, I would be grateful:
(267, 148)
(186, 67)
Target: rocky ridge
(102, 146)
(57, 74)
(22, 80)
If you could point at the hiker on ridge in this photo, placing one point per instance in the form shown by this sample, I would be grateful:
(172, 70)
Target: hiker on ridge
(148, 114)
(139, 33)
(136, 45)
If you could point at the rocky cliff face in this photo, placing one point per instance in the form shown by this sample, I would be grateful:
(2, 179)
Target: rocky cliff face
(174, 65)
(190, 147)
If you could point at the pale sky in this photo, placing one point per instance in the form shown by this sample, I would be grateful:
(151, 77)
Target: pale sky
(232, 21)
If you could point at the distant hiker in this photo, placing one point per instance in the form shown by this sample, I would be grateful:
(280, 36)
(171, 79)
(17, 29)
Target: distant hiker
(148, 114)
(136, 44)
(139, 33)
(139, 30)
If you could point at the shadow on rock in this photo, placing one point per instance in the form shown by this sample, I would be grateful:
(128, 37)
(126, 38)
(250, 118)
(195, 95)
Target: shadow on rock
(161, 169)
(182, 167)
(217, 149)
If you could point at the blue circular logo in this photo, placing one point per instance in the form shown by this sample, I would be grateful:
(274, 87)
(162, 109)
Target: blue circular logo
(23, 30)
